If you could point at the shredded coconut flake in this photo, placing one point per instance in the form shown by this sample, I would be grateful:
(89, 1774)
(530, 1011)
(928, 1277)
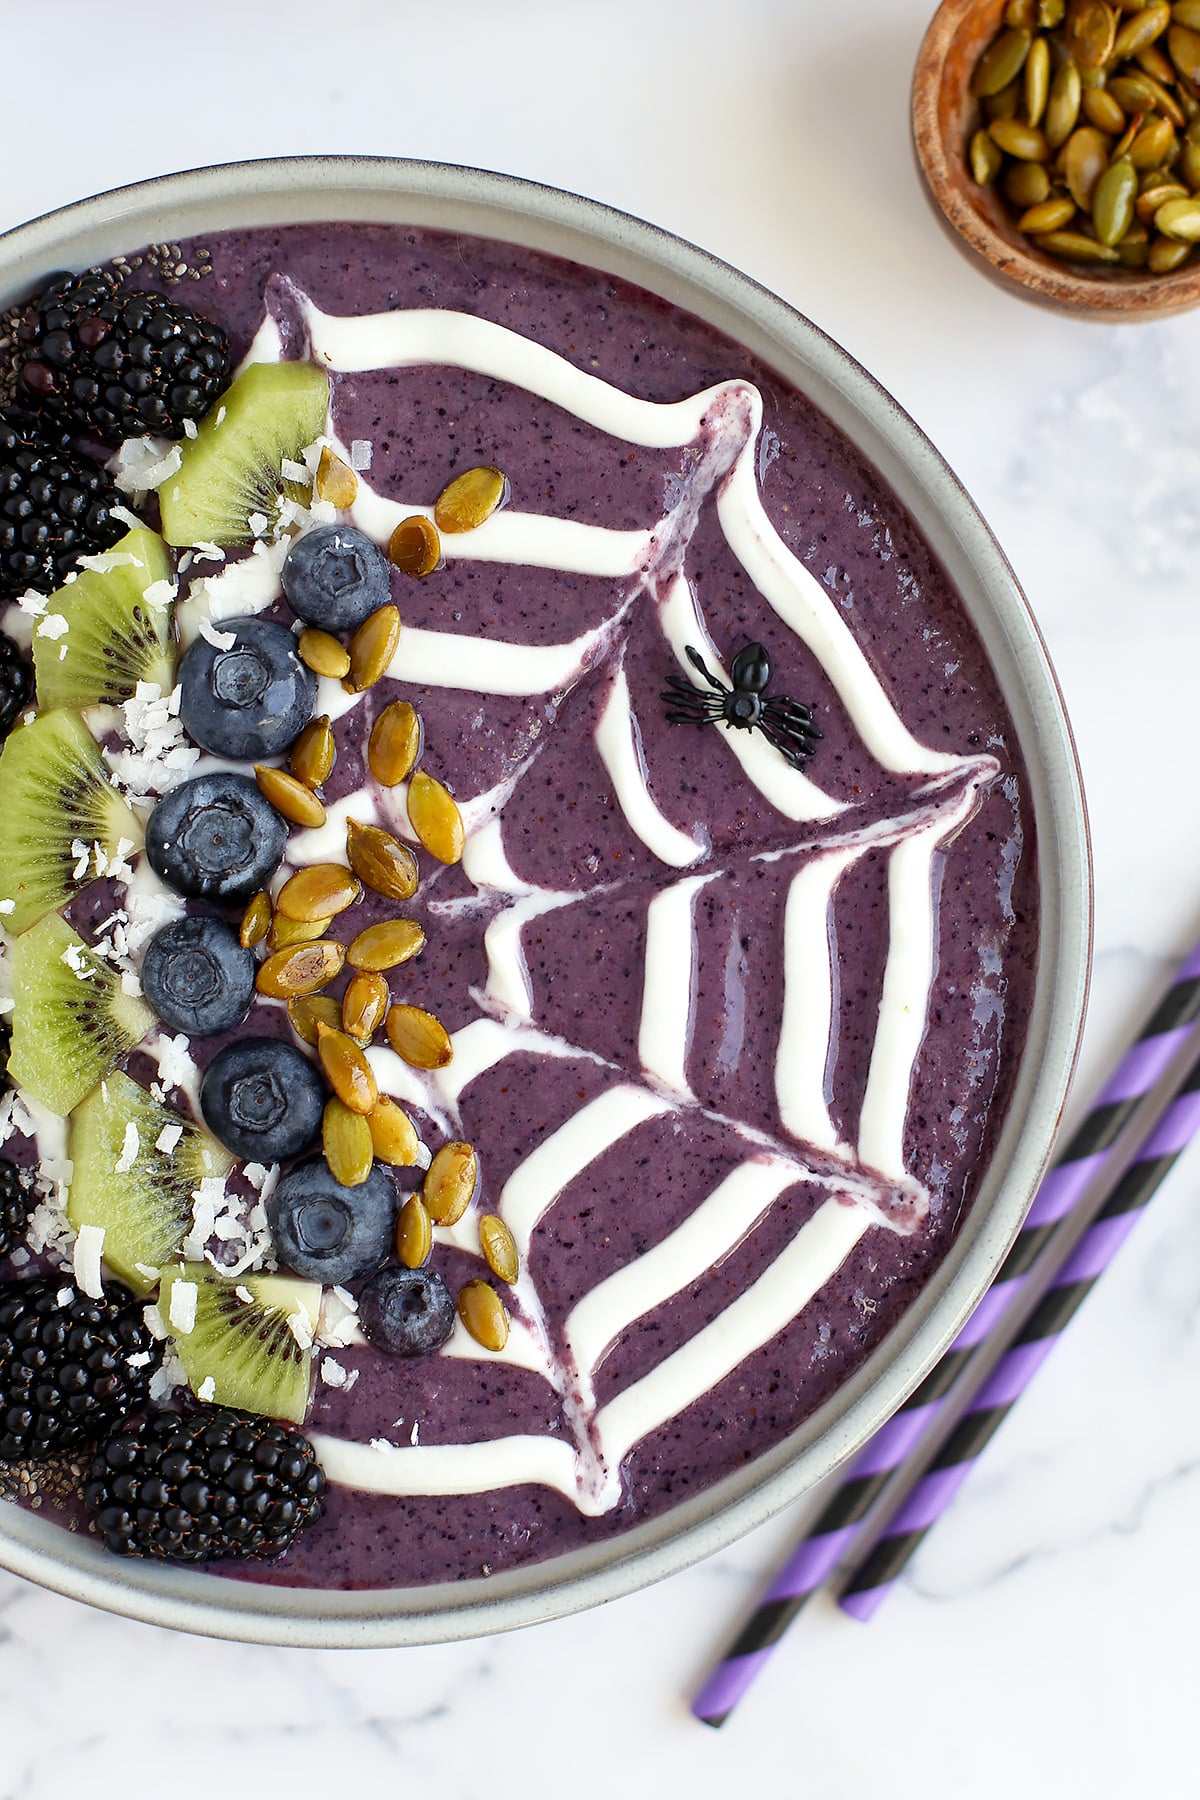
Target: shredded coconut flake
(167, 1138)
(184, 1295)
(54, 625)
(88, 1248)
(220, 640)
(361, 452)
(129, 1150)
(207, 1391)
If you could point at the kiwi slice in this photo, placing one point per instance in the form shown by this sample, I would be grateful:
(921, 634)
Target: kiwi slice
(233, 467)
(245, 1346)
(57, 793)
(115, 636)
(145, 1209)
(71, 1020)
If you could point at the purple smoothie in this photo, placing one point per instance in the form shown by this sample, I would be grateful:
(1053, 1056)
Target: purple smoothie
(563, 830)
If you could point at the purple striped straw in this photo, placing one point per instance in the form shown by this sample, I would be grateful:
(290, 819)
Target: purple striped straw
(1070, 1176)
(871, 1581)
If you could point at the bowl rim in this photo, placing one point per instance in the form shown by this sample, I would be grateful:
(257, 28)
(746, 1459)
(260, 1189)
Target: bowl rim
(311, 189)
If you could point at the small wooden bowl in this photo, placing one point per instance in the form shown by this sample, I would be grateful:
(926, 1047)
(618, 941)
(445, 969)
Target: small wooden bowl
(944, 117)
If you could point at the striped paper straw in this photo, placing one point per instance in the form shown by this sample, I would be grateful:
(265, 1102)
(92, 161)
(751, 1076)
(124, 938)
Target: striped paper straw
(871, 1582)
(1069, 1177)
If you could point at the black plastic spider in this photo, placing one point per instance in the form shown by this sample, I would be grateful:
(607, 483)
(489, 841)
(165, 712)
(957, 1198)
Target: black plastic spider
(787, 724)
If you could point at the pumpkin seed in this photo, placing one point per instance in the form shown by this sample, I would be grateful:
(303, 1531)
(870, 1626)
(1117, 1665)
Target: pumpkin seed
(1188, 166)
(1090, 29)
(1153, 145)
(372, 648)
(414, 1233)
(1102, 111)
(1154, 61)
(346, 1068)
(301, 969)
(395, 743)
(415, 547)
(1183, 47)
(336, 480)
(1026, 184)
(1085, 158)
(1161, 98)
(386, 865)
(295, 931)
(1151, 198)
(393, 1134)
(1018, 139)
(314, 752)
(472, 497)
(256, 921)
(322, 653)
(1037, 80)
(418, 1037)
(1062, 107)
(386, 946)
(1073, 246)
(1133, 253)
(319, 892)
(1051, 215)
(986, 158)
(435, 818)
(346, 1143)
(1112, 206)
(1180, 219)
(1007, 103)
(450, 1182)
(1140, 29)
(298, 804)
(364, 1005)
(1001, 63)
(484, 1314)
(1021, 13)
(1168, 254)
(306, 1013)
(499, 1247)
(1051, 13)
(1187, 13)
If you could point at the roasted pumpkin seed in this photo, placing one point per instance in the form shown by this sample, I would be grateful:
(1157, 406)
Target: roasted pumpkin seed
(320, 891)
(1168, 254)
(1156, 195)
(418, 1037)
(346, 1143)
(1183, 47)
(1153, 145)
(302, 969)
(394, 746)
(470, 499)
(386, 865)
(336, 480)
(393, 1134)
(364, 1005)
(415, 547)
(346, 1068)
(1089, 31)
(298, 804)
(1154, 61)
(1062, 108)
(1001, 63)
(313, 754)
(1073, 246)
(1187, 13)
(1102, 111)
(986, 158)
(323, 653)
(295, 931)
(499, 1247)
(434, 816)
(1037, 80)
(1051, 215)
(1113, 202)
(1022, 14)
(484, 1314)
(1016, 138)
(450, 1182)
(372, 648)
(256, 921)
(1085, 158)
(1180, 219)
(387, 945)
(1188, 166)
(1007, 103)
(414, 1233)
(1051, 13)
(1026, 184)
(1140, 29)
(305, 1015)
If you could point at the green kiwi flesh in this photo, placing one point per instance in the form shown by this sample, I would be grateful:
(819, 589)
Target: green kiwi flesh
(71, 1020)
(57, 792)
(245, 1346)
(145, 1211)
(233, 467)
(118, 629)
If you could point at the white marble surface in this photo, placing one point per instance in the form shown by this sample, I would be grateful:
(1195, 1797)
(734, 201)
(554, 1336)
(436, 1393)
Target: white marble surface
(1043, 1641)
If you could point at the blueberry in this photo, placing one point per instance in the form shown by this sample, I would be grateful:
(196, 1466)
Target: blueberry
(335, 577)
(251, 699)
(263, 1099)
(197, 976)
(407, 1312)
(215, 837)
(326, 1232)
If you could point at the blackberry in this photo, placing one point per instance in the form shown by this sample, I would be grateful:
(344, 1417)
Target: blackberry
(198, 1487)
(17, 1201)
(16, 685)
(117, 362)
(54, 506)
(70, 1366)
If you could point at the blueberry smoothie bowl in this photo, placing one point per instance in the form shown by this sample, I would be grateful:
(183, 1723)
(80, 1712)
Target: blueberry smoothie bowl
(544, 895)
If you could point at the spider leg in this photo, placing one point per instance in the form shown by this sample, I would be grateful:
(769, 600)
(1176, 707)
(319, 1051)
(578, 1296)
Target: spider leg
(793, 751)
(689, 705)
(791, 716)
(697, 662)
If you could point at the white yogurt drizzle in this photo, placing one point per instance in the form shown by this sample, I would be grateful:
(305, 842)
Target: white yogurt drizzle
(720, 427)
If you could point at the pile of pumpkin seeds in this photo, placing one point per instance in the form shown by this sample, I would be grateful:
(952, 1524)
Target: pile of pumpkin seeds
(1092, 128)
